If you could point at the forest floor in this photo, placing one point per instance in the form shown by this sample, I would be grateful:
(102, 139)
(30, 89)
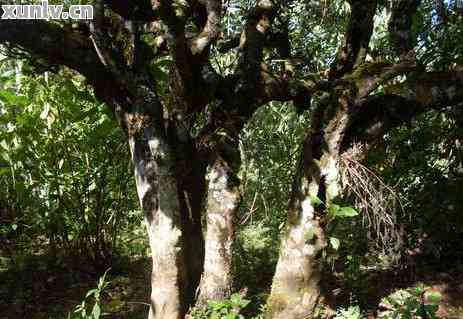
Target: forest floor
(31, 289)
(374, 285)
(34, 290)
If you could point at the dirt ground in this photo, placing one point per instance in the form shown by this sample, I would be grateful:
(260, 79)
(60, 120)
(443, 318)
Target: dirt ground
(38, 292)
(34, 291)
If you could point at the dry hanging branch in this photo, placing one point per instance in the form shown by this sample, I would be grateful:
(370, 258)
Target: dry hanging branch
(377, 201)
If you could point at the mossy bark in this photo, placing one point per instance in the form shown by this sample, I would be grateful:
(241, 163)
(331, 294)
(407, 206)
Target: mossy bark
(295, 288)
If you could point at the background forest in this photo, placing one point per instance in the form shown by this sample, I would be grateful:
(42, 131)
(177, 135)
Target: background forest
(73, 238)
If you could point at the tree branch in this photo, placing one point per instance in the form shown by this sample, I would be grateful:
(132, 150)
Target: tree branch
(422, 92)
(140, 10)
(211, 29)
(101, 41)
(252, 43)
(400, 24)
(53, 43)
(358, 37)
(369, 76)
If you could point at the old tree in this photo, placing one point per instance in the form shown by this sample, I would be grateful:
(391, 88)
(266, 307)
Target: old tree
(183, 132)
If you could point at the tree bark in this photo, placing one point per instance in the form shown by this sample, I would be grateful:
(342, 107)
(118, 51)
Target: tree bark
(157, 191)
(223, 199)
(295, 288)
(191, 183)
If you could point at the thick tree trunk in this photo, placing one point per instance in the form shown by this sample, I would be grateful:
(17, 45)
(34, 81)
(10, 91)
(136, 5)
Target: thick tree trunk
(222, 202)
(295, 287)
(191, 181)
(158, 194)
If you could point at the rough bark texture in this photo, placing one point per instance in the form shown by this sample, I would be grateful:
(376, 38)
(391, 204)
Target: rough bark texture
(358, 35)
(295, 287)
(157, 191)
(191, 171)
(222, 202)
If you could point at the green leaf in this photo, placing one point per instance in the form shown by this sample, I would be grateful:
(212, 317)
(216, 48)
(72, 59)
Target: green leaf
(434, 297)
(431, 309)
(347, 212)
(216, 305)
(335, 243)
(4, 170)
(96, 311)
(333, 209)
(315, 200)
(4, 145)
(91, 292)
(10, 97)
(419, 290)
(235, 298)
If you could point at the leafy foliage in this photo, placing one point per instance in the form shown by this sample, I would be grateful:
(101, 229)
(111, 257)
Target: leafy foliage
(352, 312)
(81, 311)
(63, 167)
(411, 303)
(222, 309)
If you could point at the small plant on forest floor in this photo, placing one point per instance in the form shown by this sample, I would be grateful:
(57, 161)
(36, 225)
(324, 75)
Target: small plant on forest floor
(81, 311)
(222, 309)
(418, 302)
(352, 312)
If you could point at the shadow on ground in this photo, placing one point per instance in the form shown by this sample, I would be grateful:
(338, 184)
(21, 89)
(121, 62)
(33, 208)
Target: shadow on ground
(374, 285)
(36, 287)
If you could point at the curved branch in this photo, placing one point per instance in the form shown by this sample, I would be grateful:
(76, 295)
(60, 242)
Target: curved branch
(400, 24)
(66, 47)
(369, 76)
(423, 92)
(211, 29)
(53, 43)
(250, 67)
(358, 37)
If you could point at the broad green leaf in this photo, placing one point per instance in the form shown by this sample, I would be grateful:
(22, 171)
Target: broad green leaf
(315, 200)
(11, 98)
(333, 210)
(335, 243)
(347, 212)
(434, 297)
